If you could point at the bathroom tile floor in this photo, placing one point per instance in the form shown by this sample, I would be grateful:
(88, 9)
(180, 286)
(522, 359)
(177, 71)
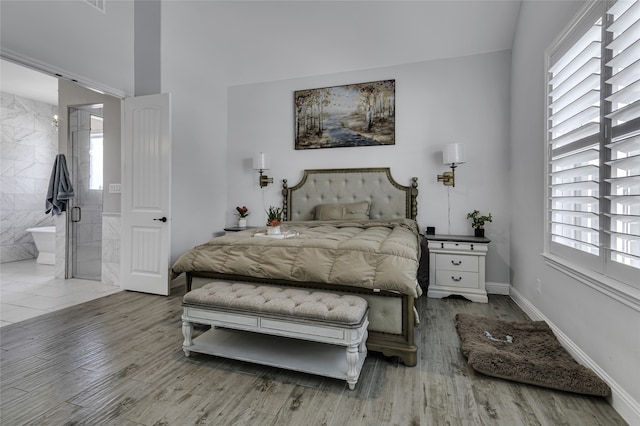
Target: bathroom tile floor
(29, 289)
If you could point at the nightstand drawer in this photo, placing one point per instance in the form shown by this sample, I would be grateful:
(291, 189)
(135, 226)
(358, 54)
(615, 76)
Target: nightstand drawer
(457, 246)
(448, 278)
(457, 262)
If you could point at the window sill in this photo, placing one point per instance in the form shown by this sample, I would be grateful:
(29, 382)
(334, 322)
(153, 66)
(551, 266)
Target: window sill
(616, 290)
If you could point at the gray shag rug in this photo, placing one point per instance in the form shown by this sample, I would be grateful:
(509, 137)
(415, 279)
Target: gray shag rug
(526, 352)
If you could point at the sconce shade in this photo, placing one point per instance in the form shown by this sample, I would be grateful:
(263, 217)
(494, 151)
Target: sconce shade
(453, 153)
(261, 161)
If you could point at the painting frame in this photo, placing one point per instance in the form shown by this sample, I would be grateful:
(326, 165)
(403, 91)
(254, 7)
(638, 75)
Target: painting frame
(350, 115)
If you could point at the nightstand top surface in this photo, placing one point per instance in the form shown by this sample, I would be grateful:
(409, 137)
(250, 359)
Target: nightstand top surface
(238, 229)
(459, 238)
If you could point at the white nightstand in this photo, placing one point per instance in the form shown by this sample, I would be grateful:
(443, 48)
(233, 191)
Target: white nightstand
(457, 266)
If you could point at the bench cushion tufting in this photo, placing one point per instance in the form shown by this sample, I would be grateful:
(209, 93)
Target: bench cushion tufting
(290, 302)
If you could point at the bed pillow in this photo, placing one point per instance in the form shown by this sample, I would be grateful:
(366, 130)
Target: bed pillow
(349, 211)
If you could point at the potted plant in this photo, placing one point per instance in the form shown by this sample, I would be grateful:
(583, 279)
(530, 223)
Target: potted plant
(242, 213)
(478, 221)
(274, 220)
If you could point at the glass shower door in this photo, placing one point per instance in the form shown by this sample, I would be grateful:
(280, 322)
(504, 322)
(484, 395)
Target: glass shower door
(86, 209)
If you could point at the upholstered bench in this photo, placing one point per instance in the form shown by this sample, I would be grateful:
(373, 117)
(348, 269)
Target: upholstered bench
(256, 323)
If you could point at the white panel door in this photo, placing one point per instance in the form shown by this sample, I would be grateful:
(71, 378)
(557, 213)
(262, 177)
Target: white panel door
(146, 194)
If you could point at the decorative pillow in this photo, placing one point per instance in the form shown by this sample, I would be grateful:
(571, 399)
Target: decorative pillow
(356, 211)
(349, 211)
(329, 211)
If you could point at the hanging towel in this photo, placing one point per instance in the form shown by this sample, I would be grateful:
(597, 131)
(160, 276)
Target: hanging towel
(60, 189)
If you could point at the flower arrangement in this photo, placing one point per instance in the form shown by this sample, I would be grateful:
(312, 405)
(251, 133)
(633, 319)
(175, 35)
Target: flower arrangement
(477, 222)
(274, 216)
(242, 212)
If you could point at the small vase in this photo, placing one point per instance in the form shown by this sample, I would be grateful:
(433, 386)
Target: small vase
(273, 230)
(479, 232)
(242, 223)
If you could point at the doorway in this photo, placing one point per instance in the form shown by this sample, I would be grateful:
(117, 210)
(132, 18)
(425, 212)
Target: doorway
(85, 210)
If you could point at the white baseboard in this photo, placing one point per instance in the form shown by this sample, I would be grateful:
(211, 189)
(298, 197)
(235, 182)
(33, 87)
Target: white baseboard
(497, 288)
(620, 400)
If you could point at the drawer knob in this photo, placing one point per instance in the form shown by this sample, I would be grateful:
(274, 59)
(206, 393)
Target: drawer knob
(459, 262)
(456, 279)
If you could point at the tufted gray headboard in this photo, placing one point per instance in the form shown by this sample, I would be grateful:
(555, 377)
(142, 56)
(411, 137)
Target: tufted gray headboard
(387, 198)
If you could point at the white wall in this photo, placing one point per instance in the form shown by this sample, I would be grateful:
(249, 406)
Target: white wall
(73, 38)
(199, 119)
(603, 328)
(148, 47)
(437, 102)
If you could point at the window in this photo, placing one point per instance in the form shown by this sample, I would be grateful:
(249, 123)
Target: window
(593, 136)
(95, 153)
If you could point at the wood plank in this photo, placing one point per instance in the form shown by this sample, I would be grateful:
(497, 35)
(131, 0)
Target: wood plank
(350, 408)
(314, 406)
(119, 360)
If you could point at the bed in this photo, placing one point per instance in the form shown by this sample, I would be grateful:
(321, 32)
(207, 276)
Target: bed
(352, 231)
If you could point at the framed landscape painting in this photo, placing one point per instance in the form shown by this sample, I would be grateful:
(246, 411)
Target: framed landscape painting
(360, 114)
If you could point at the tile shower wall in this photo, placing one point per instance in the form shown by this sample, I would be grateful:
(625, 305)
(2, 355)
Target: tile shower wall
(29, 145)
(111, 224)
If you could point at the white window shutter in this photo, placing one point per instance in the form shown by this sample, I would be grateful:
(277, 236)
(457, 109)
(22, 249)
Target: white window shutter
(574, 125)
(623, 154)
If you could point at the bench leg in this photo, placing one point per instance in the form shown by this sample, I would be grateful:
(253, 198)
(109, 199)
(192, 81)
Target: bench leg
(352, 363)
(187, 332)
(363, 344)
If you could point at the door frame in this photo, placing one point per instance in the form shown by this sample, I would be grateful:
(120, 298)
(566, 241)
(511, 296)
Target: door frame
(62, 265)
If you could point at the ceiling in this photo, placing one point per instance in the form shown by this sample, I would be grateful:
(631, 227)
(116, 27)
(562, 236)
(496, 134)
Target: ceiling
(244, 42)
(255, 41)
(25, 82)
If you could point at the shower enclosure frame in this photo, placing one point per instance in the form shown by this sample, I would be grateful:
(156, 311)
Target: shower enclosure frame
(75, 229)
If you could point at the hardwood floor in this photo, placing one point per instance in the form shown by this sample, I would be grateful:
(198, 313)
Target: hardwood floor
(118, 360)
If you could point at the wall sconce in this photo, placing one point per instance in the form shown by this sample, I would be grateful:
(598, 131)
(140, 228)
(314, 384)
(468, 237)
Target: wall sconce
(261, 162)
(54, 122)
(453, 155)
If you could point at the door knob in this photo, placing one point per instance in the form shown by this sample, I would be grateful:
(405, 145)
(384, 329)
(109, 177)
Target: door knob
(161, 219)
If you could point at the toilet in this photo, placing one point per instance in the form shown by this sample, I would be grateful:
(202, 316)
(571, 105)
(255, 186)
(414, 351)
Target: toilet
(45, 239)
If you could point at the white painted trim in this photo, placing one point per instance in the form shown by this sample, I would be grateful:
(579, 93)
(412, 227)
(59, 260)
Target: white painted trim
(48, 69)
(498, 288)
(619, 291)
(620, 400)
